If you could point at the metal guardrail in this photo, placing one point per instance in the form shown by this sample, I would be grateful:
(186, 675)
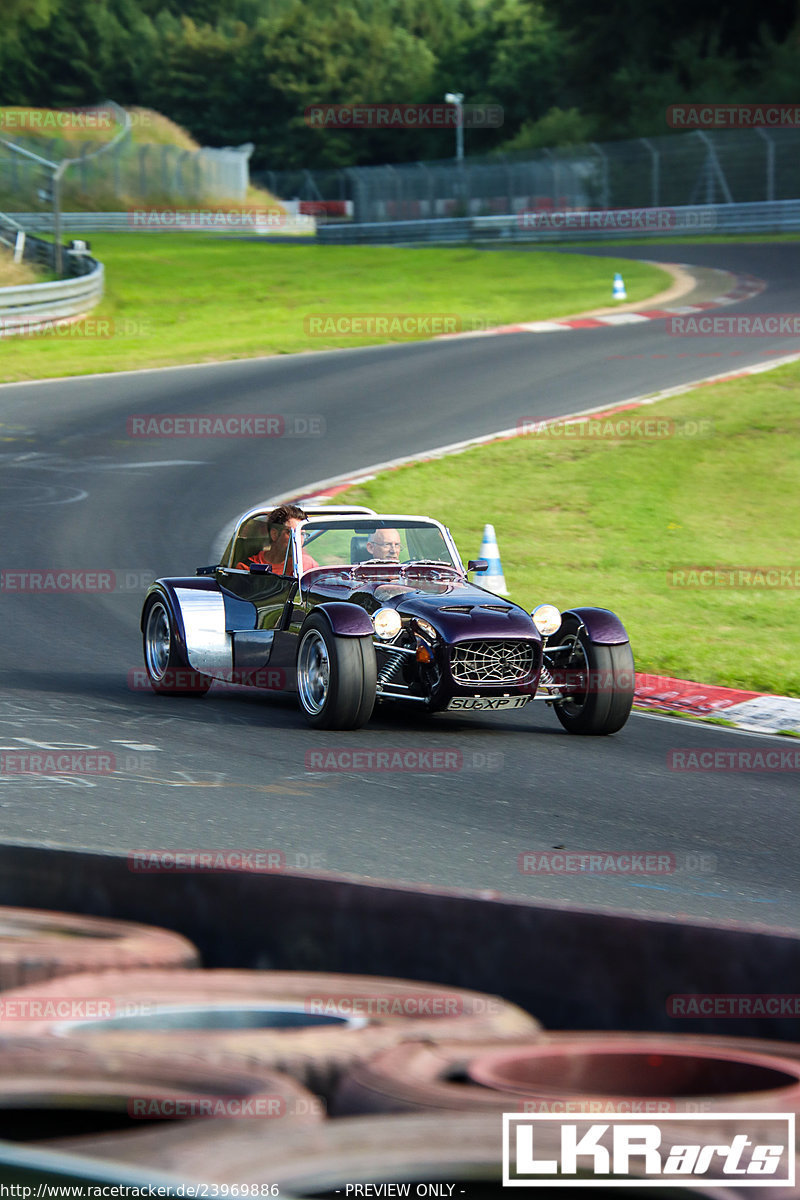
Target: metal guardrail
(28, 307)
(779, 216)
(164, 219)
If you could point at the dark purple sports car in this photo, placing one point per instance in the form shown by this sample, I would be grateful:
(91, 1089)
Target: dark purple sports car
(370, 609)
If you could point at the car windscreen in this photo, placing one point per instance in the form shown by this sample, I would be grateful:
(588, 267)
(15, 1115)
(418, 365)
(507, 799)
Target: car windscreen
(337, 545)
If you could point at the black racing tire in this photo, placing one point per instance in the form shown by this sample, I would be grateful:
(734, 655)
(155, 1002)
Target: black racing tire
(608, 680)
(553, 1071)
(310, 1025)
(337, 677)
(167, 668)
(57, 1088)
(36, 945)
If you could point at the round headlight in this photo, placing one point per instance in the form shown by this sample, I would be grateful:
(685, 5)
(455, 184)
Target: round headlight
(547, 619)
(387, 623)
(426, 628)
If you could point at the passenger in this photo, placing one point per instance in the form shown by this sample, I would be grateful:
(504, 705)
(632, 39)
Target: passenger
(385, 543)
(280, 522)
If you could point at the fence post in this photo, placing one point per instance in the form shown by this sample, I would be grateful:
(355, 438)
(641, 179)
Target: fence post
(604, 195)
(713, 167)
(427, 186)
(655, 182)
(313, 191)
(770, 180)
(180, 183)
(117, 171)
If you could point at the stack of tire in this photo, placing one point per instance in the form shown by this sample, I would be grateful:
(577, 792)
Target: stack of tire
(109, 1030)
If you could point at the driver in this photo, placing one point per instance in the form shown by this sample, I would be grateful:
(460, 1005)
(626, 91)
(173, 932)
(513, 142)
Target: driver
(385, 543)
(280, 522)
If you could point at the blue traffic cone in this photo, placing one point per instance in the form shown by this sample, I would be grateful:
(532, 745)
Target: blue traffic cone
(618, 292)
(493, 577)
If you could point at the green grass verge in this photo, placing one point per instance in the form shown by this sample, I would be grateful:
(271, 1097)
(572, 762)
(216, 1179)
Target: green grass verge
(604, 522)
(694, 239)
(191, 298)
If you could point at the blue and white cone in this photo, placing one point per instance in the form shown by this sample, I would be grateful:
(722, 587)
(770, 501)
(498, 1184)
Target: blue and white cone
(493, 578)
(618, 291)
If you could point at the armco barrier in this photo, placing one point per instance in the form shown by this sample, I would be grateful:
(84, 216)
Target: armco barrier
(32, 304)
(168, 220)
(569, 967)
(781, 216)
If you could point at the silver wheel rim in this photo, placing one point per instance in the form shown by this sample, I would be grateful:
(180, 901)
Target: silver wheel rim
(157, 641)
(313, 672)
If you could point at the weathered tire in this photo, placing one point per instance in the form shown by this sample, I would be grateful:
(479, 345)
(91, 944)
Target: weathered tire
(36, 945)
(336, 676)
(604, 1072)
(167, 668)
(322, 1159)
(695, 1041)
(234, 1017)
(51, 1087)
(610, 682)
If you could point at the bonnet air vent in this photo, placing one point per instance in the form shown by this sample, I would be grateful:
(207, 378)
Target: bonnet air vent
(459, 608)
(504, 608)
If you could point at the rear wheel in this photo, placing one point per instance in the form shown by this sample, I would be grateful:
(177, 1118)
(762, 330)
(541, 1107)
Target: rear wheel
(165, 662)
(600, 680)
(336, 677)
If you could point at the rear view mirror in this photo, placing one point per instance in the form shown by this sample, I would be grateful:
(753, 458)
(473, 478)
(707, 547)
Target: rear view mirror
(478, 564)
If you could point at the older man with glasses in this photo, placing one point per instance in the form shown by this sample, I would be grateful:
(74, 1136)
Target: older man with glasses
(386, 544)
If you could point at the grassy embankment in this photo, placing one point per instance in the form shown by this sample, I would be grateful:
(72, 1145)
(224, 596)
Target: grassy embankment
(627, 512)
(179, 298)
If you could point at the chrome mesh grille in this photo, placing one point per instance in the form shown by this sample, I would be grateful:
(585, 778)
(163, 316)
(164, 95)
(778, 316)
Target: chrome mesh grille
(492, 662)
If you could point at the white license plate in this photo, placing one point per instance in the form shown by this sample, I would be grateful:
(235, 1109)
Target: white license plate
(479, 703)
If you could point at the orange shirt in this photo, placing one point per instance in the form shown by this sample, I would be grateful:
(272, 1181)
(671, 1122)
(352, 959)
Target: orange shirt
(277, 568)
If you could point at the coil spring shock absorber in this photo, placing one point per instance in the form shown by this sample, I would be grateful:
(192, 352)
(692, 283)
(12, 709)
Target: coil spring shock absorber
(387, 673)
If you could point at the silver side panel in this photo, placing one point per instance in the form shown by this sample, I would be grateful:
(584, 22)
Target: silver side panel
(208, 644)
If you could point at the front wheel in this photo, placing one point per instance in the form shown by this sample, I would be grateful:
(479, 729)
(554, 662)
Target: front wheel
(336, 677)
(166, 665)
(600, 680)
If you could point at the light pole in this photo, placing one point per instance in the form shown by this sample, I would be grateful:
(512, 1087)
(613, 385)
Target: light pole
(457, 98)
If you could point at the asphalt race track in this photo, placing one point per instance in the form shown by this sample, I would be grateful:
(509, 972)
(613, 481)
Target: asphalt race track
(229, 771)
